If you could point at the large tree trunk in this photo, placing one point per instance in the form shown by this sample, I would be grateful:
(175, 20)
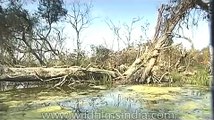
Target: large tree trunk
(47, 74)
(164, 29)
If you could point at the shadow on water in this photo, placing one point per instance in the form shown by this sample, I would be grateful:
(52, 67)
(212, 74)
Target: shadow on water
(98, 102)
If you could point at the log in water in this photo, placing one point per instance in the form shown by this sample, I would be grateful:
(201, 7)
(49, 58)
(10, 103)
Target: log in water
(52, 73)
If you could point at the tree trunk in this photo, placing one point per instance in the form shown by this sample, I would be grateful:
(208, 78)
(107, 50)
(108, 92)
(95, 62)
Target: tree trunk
(31, 50)
(164, 28)
(53, 73)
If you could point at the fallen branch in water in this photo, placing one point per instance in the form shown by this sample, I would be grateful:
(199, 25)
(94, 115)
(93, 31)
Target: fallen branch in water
(48, 74)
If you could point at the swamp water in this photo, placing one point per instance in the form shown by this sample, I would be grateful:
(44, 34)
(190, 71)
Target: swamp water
(134, 102)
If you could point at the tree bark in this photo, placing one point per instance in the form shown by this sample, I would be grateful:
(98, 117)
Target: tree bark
(31, 50)
(44, 74)
(164, 28)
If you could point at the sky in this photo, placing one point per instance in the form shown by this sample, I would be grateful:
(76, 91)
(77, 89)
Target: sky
(119, 12)
(123, 11)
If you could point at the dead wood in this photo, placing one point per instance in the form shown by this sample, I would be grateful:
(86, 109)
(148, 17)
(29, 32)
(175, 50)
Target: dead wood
(48, 74)
(160, 40)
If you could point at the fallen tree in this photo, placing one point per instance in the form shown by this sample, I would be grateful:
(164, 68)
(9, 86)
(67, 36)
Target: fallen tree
(47, 74)
(170, 15)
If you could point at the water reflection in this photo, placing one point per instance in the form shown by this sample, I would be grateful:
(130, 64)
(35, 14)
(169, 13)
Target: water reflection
(113, 99)
(188, 101)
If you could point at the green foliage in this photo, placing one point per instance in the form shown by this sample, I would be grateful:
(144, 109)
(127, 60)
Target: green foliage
(84, 61)
(176, 77)
(200, 78)
(106, 80)
(100, 54)
(192, 69)
(51, 10)
(15, 21)
(100, 51)
(81, 59)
